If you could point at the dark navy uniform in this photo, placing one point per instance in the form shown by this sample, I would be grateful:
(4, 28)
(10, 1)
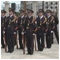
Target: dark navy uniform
(3, 20)
(40, 29)
(21, 21)
(54, 28)
(40, 33)
(10, 28)
(29, 34)
(48, 32)
(2, 29)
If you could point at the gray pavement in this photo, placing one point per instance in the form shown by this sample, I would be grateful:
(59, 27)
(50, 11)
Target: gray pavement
(52, 53)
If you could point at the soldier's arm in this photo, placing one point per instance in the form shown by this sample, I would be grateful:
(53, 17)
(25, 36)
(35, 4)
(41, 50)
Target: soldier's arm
(56, 20)
(6, 22)
(16, 24)
(45, 20)
(23, 26)
(46, 25)
(53, 24)
(46, 28)
(52, 18)
(36, 25)
(33, 20)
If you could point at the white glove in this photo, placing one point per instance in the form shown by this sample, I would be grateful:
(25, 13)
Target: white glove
(51, 31)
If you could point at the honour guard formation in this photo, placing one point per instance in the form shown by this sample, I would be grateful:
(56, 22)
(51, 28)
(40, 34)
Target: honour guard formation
(29, 29)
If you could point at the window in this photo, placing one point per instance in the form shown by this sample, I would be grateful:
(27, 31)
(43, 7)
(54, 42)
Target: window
(51, 3)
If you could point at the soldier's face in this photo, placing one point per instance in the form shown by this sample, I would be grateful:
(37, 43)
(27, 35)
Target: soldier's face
(29, 14)
(40, 14)
(48, 14)
(2, 14)
(15, 16)
(10, 12)
(22, 14)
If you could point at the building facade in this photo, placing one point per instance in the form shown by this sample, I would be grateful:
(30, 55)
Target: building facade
(35, 5)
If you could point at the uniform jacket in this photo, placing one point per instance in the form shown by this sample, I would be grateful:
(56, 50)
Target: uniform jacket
(10, 25)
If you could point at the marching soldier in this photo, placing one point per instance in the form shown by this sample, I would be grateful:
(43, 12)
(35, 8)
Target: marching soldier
(27, 12)
(16, 27)
(29, 32)
(10, 28)
(40, 22)
(3, 20)
(48, 30)
(54, 28)
(21, 21)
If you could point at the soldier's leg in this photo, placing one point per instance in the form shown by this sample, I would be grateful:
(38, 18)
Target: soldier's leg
(20, 40)
(56, 34)
(28, 43)
(12, 43)
(15, 37)
(28, 47)
(42, 41)
(31, 44)
(48, 40)
(8, 41)
(2, 41)
(38, 41)
(52, 38)
(6, 38)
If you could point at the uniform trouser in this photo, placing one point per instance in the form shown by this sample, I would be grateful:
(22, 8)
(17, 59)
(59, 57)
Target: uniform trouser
(56, 35)
(15, 36)
(10, 42)
(2, 41)
(48, 39)
(20, 40)
(52, 38)
(40, 42)
(29, 41)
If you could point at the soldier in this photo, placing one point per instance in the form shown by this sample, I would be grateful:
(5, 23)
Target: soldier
(3, 20)
(48, 30)
(16, 27)
(21, 21)
(29, 32)
(27, 12)
(54, 28)
(10, 28)
(40, 22)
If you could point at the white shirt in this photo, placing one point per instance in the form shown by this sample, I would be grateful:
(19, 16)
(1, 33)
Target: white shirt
(11, 15)
(22, 16)
(29, 16)
(49, 16)
(3, 16)
(41, 17)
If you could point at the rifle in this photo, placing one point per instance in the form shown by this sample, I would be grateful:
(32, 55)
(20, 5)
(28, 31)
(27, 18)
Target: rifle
(15, 20)
(16, 41)
(17, 44)
(23, 38)
(35, 42)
